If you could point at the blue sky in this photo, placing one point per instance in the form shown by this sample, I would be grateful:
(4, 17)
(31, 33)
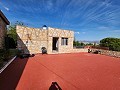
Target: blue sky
(89, 19)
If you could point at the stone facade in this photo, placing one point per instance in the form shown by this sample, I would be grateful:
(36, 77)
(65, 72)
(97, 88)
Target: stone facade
(31, 40)
(3, 28)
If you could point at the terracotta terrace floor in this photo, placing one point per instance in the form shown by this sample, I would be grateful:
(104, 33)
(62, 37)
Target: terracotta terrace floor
(80, 71)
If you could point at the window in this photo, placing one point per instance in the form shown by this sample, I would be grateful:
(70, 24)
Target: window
(64, 41)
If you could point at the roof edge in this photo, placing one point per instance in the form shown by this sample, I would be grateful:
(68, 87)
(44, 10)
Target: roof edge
(4, 18)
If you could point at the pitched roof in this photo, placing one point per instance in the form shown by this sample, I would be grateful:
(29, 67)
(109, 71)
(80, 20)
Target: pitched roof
(4, 18)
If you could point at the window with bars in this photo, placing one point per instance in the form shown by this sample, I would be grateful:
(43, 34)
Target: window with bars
(64, 41)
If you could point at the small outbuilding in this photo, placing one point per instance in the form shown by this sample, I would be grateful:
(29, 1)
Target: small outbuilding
(32, 40)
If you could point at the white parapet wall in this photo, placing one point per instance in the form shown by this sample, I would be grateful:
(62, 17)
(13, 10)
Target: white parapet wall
(79, 50)
(72, 51)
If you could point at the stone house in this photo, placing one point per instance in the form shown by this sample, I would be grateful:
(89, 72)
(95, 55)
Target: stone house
(31, 40)
(3, 28)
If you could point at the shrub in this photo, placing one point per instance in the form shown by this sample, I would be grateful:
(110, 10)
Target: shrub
(112, 43)
(1, 57)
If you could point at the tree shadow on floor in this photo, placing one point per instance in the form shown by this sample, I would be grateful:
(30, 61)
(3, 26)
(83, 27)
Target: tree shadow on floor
(10, 77)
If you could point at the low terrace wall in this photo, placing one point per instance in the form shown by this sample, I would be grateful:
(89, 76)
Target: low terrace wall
(107, 52)
(75, 50)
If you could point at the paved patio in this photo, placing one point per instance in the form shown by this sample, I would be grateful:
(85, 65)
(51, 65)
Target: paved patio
(80, 71)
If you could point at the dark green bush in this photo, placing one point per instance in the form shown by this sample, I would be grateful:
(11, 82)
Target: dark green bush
(1, 57)
(2, 54)
(1, 63)
(6, 55)
(112, 43)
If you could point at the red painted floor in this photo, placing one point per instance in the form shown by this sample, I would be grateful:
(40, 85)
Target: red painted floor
(80, 71)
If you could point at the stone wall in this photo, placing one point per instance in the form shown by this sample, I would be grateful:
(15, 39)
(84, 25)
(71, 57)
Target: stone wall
(53, 32)
(2, 32)
(107, 52)
(32, 39)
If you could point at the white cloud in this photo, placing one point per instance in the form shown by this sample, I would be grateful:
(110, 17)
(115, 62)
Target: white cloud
(115, 31)
(107, 2)
(49, 4)
(77, 32)
(6, 8)
(103, 28)
(83, 32)
(80, 33)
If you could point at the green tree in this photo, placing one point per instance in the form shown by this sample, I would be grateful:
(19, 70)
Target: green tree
(78, 44)
(111, 43)
(82, 44)
(11, 30)
(90, 44)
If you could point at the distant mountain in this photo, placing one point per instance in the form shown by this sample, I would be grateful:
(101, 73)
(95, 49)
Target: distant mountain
(85, 41)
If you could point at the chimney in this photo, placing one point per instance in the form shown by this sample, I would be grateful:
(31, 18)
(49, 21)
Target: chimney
(44, 27)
